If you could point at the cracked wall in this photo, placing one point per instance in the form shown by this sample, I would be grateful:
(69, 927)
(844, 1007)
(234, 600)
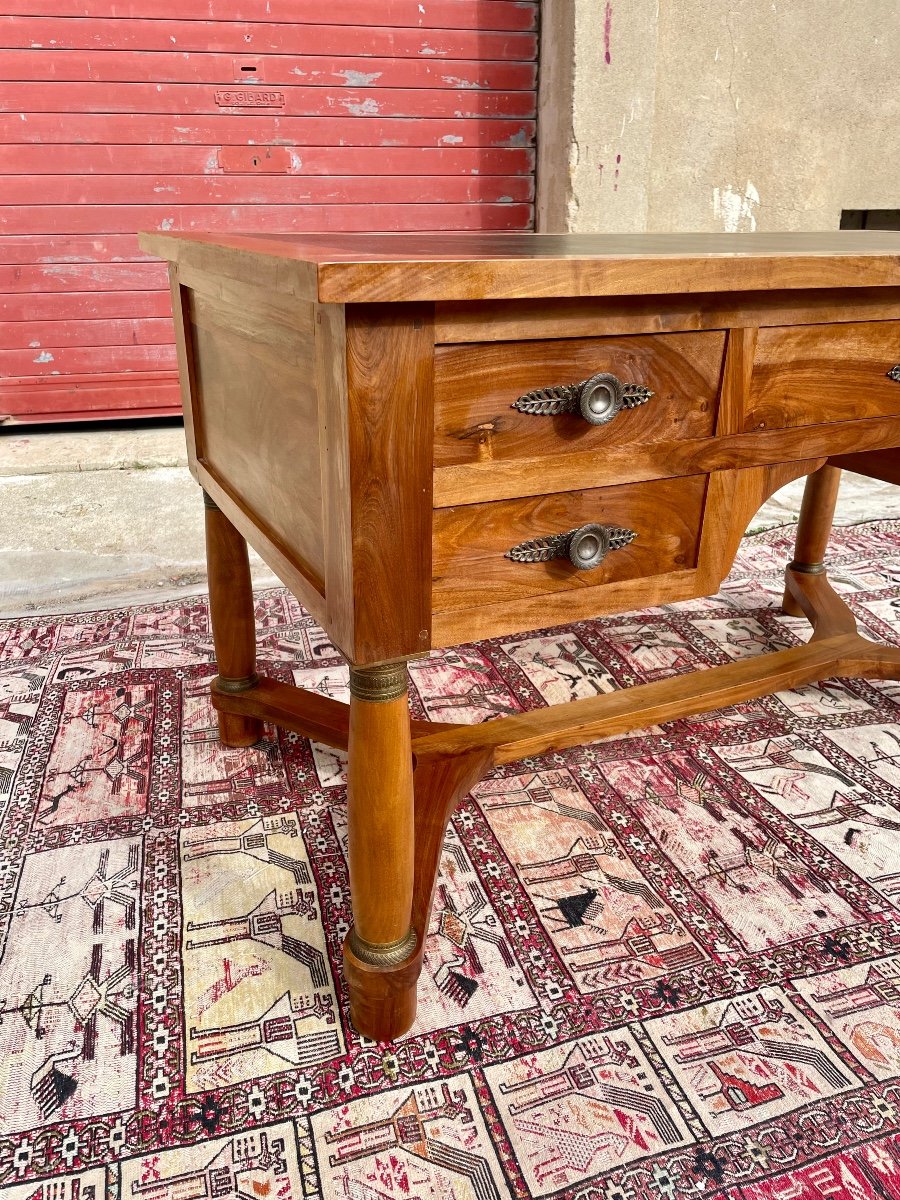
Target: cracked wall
(705, 115)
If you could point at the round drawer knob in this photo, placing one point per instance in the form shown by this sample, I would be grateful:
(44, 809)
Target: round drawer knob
(588, 546)
(598, 399)
(584, 547)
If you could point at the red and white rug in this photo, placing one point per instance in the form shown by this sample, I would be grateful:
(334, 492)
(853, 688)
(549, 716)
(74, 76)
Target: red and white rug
(662, 966)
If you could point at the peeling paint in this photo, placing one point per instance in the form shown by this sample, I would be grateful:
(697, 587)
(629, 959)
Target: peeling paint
(167, 223)
(470, 85)
(33, 345)
(368, 108)
(519, 138)
(44, 357)
(450, 139)
(360, 78)
(734, 209)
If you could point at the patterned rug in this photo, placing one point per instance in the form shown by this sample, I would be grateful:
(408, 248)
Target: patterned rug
(664, 965)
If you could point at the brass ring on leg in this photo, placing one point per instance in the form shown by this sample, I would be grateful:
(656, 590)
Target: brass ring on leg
(235, 686)
(386, 954)
(378, 685)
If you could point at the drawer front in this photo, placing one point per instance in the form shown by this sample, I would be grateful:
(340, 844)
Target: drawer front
(808, 375)
(476, 386)
(472, 542)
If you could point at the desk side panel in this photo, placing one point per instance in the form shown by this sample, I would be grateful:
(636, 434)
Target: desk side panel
(249, 380)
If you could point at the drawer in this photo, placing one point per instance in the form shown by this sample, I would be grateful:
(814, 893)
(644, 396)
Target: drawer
(808, 375)
(476, 385)
(472, 542)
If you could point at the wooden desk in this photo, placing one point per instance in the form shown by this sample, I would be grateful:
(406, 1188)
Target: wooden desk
(436, 439)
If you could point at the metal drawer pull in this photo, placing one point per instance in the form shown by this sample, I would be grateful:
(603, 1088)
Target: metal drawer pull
(894, 373)
(585, 547)
(598, 399)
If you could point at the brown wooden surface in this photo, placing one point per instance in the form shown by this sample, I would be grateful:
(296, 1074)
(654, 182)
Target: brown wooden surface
(237, 258)
(476, 385)
(310, 713)
(334, 457)
(380, 840)
(389, 428)
(470, 541)
(382, 1003)
(380, 818)
(232, 618)
(271, 550)
(816, 514)
(256, 409)
(813, 528)
(523, 320)
(397, 268)
(732, 499)
(184, 350)
(740, 349)
(878, 464)
(452, 626)
(815, 598)
(500, 480)
(809, 375)
(561, 726)
(331, 474)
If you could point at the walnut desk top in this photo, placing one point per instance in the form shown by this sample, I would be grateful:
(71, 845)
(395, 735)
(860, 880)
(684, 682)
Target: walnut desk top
(437, 438)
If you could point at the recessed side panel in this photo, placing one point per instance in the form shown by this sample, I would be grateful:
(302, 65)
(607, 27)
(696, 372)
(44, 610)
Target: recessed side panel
(256, 414)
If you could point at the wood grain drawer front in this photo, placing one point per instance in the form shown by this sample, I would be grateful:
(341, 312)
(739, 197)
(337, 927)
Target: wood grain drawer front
(471, 541)
(477, 384)
(809, 375)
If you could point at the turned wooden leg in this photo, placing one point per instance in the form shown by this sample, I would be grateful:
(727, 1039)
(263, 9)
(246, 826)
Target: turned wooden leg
(381, 963)
(233, 625)
(814, 528)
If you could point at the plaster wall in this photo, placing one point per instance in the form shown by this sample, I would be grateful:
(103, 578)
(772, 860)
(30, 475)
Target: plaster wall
(708, 115)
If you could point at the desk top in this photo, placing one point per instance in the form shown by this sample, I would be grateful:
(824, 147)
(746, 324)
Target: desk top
(354, 268)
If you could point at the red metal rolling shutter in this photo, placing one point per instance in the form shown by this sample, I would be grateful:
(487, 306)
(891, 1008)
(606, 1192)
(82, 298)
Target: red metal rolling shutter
(120, 115)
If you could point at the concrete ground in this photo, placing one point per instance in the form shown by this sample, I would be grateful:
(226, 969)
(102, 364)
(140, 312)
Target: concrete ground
(96, 517)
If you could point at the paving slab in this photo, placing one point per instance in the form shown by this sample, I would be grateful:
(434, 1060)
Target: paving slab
(47, 451)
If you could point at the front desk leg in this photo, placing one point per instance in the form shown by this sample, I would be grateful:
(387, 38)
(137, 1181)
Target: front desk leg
(381, 964)
(813, 529)
(232, 618)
